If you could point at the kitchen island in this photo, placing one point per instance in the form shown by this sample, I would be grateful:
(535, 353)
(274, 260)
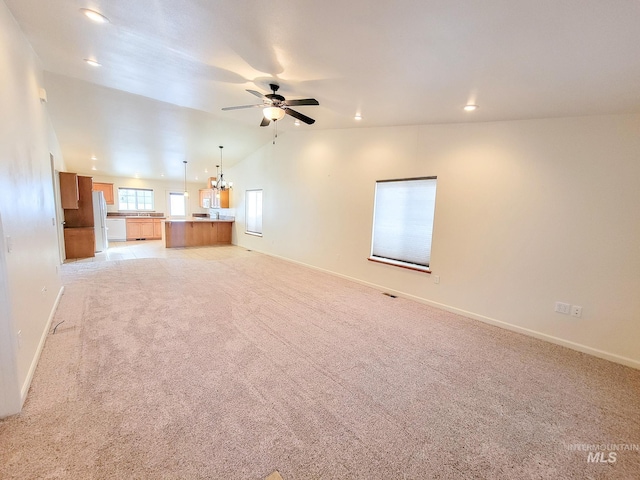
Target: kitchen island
(197, 233)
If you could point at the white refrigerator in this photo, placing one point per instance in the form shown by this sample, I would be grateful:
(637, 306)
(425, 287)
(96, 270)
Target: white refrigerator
(100, 221)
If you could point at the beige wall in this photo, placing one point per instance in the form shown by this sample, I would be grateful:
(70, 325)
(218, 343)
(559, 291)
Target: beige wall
(29, 281)
(527, 213)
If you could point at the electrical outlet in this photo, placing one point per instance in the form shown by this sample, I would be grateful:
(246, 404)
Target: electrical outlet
(576, 311)
(563, 308)
(436, 279)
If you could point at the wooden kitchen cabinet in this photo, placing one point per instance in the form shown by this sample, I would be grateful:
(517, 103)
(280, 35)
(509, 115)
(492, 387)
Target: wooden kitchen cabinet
(69, 193)
(79, 232)
(157, 228)
(224, 232)
(147, 229)
(196, 233)
(106, 189)
(208, 198)
(80, 242)
(144, 229)
(134, 229)
(82, 215)
(224, 199)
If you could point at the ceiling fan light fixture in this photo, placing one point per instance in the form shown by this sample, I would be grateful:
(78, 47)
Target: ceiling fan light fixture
(273, 113)
(94, 16)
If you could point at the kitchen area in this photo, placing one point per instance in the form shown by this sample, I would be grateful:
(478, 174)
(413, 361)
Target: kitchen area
(115, 210)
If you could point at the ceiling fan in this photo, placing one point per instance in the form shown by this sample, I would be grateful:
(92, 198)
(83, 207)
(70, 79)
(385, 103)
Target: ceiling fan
(275, 106)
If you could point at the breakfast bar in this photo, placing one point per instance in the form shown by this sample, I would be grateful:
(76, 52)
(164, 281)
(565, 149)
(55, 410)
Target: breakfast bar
(197, 233)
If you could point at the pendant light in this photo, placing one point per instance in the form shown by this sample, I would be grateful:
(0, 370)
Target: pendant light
(186, 193)
(221, 184)
(221, 181)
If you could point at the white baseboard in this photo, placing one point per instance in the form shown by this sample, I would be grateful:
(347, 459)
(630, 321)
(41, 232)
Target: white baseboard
(36, 357)
(629, 362)
(612, 357)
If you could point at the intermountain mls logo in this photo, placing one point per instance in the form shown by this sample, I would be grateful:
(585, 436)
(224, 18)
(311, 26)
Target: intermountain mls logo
(603, 452)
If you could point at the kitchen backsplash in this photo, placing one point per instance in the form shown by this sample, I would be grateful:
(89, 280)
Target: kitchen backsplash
(224, 212)
(135, 214)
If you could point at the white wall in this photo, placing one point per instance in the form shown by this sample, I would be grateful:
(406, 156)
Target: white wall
(161, 189)
(527, 213)
(29, 281)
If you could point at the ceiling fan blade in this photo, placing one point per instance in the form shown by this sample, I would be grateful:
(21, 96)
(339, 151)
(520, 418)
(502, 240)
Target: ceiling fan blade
(304, 101)
(299, 116)
(265, 122)
(243, 106)
(257, 94)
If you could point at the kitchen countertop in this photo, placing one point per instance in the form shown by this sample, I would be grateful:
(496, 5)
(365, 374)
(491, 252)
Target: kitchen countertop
(135, 215)
(200, 220)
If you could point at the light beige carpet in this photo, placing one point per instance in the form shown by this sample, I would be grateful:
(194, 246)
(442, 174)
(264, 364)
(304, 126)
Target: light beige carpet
(235, 367)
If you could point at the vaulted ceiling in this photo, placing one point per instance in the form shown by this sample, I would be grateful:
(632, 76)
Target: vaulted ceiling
(170, 66)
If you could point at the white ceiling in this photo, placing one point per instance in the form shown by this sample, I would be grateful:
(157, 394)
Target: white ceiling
(169, 66)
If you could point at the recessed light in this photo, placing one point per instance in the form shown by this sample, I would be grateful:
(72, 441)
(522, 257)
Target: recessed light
(93, 157)
(93, 63)
(94, 168)
(358, 117)
(95, 16)
(162, 174)
(470, 108)
(297, 123)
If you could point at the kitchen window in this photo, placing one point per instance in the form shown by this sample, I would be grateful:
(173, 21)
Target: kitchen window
(253, 212)
(135, 199)
(403, 222)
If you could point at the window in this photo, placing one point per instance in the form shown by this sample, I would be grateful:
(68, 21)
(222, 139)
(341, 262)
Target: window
(403, 222)
(135, 199)
(177, 204)
(253, 212)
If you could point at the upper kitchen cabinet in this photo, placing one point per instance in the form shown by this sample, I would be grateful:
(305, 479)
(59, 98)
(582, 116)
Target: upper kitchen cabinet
(107, 190)
(79, 231)
(223, 200)
(69, 193)
(212, 198)
(206, 197)
(82, 215)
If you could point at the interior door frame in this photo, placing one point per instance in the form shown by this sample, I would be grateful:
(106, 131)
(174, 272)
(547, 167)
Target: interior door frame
(59, 213)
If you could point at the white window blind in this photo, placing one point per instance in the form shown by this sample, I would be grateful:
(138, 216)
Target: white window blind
(177, 204)
(403, 222)
(253, 211)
